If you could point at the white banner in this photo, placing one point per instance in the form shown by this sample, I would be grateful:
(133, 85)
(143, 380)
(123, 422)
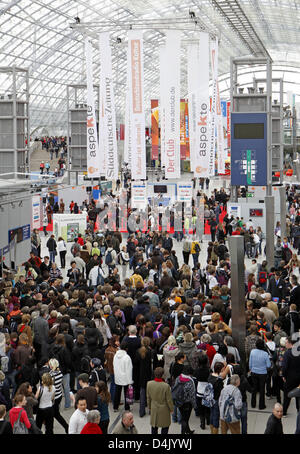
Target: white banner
(193, 80)
(162, 103)
(109, 131)
(213, 115)
(93, 155)
(136, 94)
(128, 120)
(203, 159)
(172, 118)
(221, 152)
(37, 221)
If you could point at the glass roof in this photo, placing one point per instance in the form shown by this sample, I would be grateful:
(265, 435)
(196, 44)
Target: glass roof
(37, 35)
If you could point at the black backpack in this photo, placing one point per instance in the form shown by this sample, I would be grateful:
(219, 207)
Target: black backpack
(85, 366)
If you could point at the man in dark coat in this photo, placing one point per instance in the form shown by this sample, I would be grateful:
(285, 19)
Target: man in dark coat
(277, 286)
(290, 372)
(274, 424)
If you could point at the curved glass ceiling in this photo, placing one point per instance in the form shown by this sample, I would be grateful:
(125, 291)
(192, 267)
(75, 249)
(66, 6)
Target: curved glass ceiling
(37, 35)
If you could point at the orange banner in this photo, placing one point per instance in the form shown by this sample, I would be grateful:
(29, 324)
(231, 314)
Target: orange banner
(154, 128)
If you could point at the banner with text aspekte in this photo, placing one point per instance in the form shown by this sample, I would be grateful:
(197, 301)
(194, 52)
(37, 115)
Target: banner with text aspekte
(203, 159)
(93, 155)
(213, 114)
(172, 92)
(109, 131)
(137, 113)
(193, 74)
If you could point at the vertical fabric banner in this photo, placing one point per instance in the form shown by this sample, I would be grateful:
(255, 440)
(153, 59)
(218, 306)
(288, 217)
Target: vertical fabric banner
(162, 104)
(154, 128)
(228, 126)
(137, 113)
(128, 119)
(182, 130)
(193, 74)
(221, 151)
(172, 119)
(203, 163)
(93, 156)
(186, 131)
(109, 120)
(213, 116)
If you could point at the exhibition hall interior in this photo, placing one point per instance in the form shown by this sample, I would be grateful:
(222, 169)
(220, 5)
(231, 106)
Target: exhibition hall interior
(149, 217)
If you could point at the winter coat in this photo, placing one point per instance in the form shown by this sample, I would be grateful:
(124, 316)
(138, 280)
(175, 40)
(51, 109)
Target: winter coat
(79, 350)
(144, 366)
(227, 391)
(160, 403)
(63, 356)
(187, 348)
(169, 353)
(122, 368)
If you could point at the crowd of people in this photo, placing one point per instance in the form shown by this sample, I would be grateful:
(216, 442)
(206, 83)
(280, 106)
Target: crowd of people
(126, 320)
(57, 149)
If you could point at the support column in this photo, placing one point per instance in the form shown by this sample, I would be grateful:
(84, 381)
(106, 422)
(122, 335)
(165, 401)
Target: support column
(238, 318)
(282, 194)
(270, 226)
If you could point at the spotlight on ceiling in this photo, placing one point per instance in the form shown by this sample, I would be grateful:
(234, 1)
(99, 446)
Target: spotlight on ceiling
(77, 20)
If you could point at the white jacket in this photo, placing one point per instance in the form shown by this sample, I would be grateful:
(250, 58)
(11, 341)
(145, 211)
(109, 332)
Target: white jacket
(61, 246)
(93, 276)
(122, 368)
(77, 421)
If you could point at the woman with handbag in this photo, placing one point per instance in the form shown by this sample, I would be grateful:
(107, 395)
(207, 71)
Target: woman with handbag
(62, 249)
(46, 396)
(57, 377)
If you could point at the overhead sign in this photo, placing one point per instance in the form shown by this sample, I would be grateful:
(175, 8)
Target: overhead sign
(184, 193)
(138, 196)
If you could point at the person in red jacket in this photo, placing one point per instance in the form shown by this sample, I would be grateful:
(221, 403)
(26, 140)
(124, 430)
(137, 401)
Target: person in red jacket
(20, 402)
(92, 426)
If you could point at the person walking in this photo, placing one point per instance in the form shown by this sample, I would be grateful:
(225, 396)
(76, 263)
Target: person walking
(52, 246)
(274, 423)
(185, 389)
(46, 396)
(259, 363)
(160, 403)
(62, 249)
(122, 365)
(57, 377)
(230, 404)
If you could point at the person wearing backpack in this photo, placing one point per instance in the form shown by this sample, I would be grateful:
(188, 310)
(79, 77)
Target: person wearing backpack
(195, 251)
(211, 396)
(185, 397)
(18, 416)
(230, 405)
(110, 257)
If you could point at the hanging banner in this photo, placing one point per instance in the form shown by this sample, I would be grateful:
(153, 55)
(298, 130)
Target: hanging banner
(93, 155)
(136, 93)
(128, 120)
(186, 131)
(193, 75)
(109, 120)
(154, 128)
(204, 164)
(221, 151)
(172, 119)
(182, 130)
(229, 127)
(162, 105)
(213, 116)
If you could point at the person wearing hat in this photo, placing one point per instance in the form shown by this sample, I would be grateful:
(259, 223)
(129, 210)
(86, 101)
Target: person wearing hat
(87, 392)
(97, 372)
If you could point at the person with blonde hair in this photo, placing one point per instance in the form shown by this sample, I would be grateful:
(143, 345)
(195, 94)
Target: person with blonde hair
(57, 377)
(25, 328)
(170, 350)
(46, 396)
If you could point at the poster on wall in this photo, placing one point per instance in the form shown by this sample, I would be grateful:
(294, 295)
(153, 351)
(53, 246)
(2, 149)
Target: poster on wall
(233, 210)
(138, 196)
(185, 193)
(36, 222)
(72, 231)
